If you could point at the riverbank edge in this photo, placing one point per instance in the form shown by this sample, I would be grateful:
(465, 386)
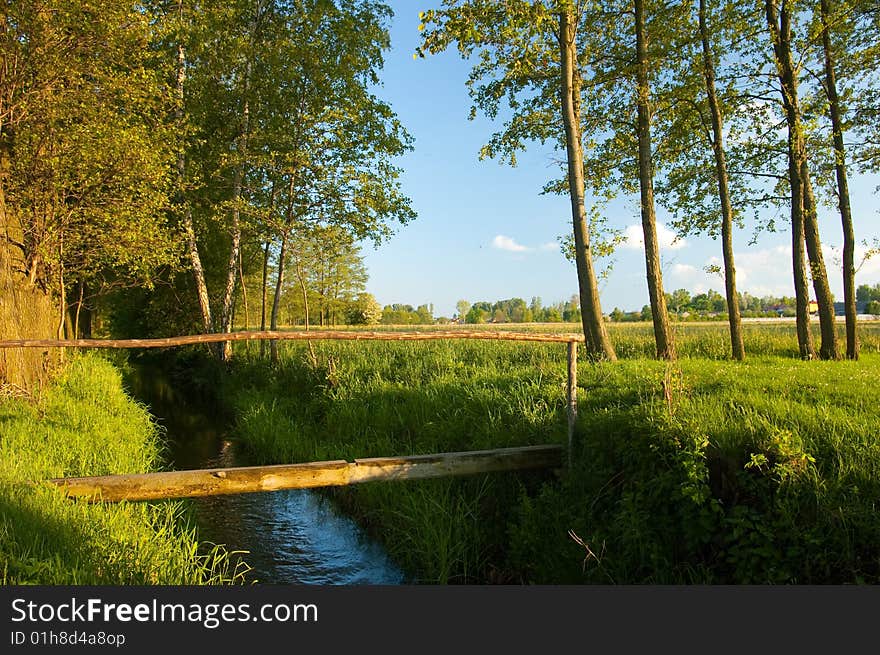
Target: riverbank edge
(84, 423)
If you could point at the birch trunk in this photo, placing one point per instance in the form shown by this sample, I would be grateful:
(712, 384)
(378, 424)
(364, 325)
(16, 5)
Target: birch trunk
(188, 228)
(276, 301)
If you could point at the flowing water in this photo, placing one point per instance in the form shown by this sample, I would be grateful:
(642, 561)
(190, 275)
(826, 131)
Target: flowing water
(289, 537)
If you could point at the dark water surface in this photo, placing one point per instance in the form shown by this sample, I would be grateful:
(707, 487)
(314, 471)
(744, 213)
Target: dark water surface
(291, 537)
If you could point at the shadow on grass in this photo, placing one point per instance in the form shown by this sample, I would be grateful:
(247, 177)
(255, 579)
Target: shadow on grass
(40, 548)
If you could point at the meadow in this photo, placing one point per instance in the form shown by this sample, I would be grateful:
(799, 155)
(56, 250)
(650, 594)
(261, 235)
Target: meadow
(700, 471)
(85, 424)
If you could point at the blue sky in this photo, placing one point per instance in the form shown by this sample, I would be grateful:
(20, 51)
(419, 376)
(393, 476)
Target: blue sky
(484, 231)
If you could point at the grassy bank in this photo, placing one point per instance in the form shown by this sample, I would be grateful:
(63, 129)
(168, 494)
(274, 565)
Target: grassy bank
(701, 471)
(84, 424)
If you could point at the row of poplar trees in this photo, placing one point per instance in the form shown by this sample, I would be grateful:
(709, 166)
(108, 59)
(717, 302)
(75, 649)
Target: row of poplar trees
(150, 141)
(718, 109)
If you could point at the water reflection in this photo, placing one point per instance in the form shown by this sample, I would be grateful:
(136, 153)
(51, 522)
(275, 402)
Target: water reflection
(294, 536)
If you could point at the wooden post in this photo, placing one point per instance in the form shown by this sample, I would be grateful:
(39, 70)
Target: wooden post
(572, 395)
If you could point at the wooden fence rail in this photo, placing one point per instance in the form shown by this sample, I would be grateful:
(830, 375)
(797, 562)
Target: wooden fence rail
(249, 479)
(315, 335)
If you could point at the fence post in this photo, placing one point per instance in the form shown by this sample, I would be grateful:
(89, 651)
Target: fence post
(572, 395)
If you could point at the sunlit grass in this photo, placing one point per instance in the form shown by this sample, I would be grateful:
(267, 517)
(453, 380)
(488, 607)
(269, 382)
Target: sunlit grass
(704, 470)
(84, 424)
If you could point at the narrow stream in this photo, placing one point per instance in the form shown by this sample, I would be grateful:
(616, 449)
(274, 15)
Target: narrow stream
(290, 537)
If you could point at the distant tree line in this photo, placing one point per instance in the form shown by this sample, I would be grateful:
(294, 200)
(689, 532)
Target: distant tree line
(516, 310)
(712, 304)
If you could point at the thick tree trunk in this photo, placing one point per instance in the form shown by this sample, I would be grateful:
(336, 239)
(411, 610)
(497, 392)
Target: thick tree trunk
(662, 330)
(798, 256)
(276, 301)
(779, 23)
(849, 240)
(598, 344)
(736, 337)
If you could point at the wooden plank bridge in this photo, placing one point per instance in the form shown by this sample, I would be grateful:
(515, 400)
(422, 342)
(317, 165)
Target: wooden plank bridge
(250, 479)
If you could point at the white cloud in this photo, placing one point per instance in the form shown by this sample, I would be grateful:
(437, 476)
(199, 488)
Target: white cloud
(502, 242)
(665, 237)
(684, 270)
(765, 272)
(685, 276)
(867, 270)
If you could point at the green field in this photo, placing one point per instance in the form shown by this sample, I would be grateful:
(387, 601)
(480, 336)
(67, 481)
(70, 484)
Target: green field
(700, 471)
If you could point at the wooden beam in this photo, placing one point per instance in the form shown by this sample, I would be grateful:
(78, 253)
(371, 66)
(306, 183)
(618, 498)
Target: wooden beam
(314, 335)
(249, 479)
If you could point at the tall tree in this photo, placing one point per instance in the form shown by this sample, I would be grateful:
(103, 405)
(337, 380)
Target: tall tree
(85, 151)
(287, 132)
(695, 183)
(180, 24)
(736, 337)
(835, 113)
(662, 331)
(530, 54)
(779, 16)
(595, 333)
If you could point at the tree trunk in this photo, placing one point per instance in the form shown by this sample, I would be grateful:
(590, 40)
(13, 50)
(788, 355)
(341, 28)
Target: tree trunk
(188, 228)
(598, 344)
(662, 330)
(798, 255)
(244, 301)
(263, 297)
(235, 232)
(779, 22)
(736, 337)
(276, 301)
(62, 293)
(828, 329)
(300, 274)
(849, 240)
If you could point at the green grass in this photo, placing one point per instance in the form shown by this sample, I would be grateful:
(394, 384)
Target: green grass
(708, 339)
(701, 471)
(84, 424)
(764, 472)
